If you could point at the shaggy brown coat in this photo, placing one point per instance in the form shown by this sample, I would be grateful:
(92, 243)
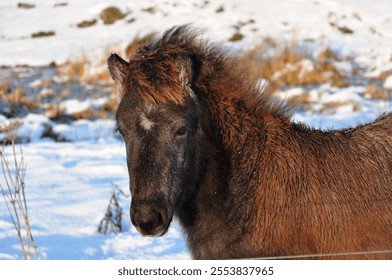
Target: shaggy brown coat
(271, 187)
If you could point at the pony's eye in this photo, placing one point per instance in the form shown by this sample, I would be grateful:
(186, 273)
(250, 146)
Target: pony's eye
(182, 131)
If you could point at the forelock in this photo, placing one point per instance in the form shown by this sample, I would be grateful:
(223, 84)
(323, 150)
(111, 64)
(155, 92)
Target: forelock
(159, 71)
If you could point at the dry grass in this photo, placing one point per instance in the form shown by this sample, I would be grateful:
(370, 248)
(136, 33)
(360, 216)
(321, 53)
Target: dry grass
(236, 37)
(17, 100)
(54, 112)
(373, 92)
(111, 14)
(90, 114)
(135, 44)
(74, 69)
(332, 106)
(13, 191)
(57, 113)
(8, 129)
(291, 66)
(40, 34)
(65, 94)
(381, 77)
(86, 114)
(300, 100)
(86, 23)
(5, 88)
(111, 222)
(85, 70)
(284, 64)
(110, 105)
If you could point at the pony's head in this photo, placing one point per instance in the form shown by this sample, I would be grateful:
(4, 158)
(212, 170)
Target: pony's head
(159, 117)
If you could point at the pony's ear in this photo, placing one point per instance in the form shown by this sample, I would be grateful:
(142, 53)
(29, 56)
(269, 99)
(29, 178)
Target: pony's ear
(189, 71)
(117, 69)
(186, 71)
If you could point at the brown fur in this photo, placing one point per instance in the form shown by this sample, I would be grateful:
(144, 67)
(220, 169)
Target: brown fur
(266, 187)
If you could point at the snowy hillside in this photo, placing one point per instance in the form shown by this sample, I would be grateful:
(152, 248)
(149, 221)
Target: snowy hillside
(361, 27)
(75, 159)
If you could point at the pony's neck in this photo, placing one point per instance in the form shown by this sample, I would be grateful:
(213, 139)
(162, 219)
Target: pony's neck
(216, 205)
(235, 103)
(235, 118)
(238, 128)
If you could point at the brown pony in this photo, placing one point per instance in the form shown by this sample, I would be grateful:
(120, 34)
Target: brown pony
(205, 144)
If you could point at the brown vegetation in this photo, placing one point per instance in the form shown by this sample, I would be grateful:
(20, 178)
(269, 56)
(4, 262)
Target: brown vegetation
(87, 23)
(13, 191)
(374, 92)
(17, 100)
(43, 34)
(111, 14)
(291, 66)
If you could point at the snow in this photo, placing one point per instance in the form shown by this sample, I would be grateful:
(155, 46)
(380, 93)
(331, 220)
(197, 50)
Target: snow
(33, 127)
(316, 21)
(68, 187)
(83, 130)
(388, 82)
(3, 119)
(72, 106)
(347, 94)
(69, 184)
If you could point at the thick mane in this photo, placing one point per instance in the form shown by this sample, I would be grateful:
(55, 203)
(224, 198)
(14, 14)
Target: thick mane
(172, 68)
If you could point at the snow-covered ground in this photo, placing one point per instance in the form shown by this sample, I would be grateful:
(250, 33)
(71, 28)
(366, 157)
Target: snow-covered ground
(68, 185)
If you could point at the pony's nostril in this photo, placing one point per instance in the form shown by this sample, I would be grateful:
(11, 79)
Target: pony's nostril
(148, 221)
(160, 219)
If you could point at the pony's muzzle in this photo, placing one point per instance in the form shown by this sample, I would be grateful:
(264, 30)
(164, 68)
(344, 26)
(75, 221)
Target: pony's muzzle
(149, 220)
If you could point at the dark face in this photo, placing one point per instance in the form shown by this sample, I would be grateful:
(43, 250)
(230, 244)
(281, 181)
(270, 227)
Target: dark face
(161, 149)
